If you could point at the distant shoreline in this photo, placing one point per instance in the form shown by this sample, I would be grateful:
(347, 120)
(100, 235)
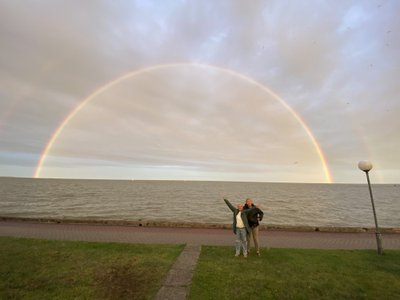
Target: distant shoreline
(148, 223)
(200, 181)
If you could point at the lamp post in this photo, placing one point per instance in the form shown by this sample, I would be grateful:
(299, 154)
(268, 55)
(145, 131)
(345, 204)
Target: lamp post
(366, 166)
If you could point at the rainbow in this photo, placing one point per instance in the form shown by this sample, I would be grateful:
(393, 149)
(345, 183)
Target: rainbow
(108, 85)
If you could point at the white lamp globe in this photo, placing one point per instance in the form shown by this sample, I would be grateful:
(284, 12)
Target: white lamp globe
(365, 165)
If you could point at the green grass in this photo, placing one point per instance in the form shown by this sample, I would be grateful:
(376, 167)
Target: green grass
(41, 269)
(296, 274)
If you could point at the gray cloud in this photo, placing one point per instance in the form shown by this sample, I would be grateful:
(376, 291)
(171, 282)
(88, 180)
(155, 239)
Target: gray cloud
(335, 63)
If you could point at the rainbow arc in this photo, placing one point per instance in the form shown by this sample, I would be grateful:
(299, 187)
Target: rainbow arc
(91, 97)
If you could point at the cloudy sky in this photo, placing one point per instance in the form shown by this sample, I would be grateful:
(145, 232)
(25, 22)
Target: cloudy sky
(272, 91)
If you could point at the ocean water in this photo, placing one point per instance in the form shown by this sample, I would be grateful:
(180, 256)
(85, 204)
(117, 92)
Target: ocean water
(292, 204)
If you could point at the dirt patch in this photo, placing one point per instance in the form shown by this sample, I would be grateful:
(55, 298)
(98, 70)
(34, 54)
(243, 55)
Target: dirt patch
(124, 281)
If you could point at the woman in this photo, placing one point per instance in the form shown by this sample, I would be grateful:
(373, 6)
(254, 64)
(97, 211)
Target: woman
(240, 226)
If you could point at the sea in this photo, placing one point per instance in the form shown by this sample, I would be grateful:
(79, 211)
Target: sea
(283, 204)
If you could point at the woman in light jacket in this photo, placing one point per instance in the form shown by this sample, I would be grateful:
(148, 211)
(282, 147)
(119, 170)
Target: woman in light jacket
(240, 226)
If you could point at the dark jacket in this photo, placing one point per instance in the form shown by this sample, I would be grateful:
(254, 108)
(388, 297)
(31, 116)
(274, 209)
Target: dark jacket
(243, 215)
(254, 216)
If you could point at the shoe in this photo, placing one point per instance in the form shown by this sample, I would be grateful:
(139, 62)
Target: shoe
(258, 253)
(237, 254)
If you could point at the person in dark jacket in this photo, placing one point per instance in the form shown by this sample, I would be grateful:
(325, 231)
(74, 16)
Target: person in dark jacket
(254, 217)
(240, 226)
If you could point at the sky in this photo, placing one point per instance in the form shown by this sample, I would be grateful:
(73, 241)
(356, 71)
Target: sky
(268, 91)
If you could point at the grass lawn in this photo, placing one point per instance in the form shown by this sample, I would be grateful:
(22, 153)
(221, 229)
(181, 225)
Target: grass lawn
(296, 274)
(41, 269)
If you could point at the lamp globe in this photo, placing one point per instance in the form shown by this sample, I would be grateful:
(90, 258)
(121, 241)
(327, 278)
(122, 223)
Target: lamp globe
(365, 165)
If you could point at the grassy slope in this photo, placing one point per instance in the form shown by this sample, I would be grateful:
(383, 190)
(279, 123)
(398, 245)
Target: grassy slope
(297, 274)
(38, 269)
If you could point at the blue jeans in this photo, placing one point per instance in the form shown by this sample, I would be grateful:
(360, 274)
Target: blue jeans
(241, 241)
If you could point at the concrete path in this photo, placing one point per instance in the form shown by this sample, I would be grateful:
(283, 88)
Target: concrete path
(179, 278)
(194, 236)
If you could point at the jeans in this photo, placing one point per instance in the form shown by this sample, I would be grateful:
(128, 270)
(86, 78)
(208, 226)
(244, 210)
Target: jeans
(241, 241)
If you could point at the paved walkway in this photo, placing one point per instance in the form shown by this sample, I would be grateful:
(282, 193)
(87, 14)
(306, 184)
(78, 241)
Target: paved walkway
(177, 283)
(194, 236)
(179, 278)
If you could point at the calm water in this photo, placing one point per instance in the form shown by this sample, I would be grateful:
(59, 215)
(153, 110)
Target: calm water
(199, 202)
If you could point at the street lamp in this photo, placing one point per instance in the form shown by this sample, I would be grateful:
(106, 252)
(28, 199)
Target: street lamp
(366, 166)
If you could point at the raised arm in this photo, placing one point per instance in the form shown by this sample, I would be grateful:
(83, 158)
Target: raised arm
(231, 207)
